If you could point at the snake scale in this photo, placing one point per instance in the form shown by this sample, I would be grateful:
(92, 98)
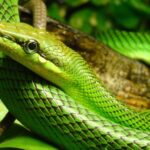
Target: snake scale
(74, 111)
(134, 45)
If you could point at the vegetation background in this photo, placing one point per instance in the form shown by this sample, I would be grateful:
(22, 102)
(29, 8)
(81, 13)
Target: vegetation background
(93, 16)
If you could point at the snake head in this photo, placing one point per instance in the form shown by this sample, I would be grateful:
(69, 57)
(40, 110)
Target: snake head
(41, 52)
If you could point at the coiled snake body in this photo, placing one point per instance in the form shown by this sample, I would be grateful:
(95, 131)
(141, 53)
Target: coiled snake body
(76, 114)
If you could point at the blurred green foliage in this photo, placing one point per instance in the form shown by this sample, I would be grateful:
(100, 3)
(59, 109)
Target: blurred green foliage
(91, 16)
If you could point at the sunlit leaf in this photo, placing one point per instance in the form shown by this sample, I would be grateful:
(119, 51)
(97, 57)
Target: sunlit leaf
(3, 110)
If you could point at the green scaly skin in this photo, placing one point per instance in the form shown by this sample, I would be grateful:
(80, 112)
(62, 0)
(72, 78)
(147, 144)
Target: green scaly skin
(85, 119)
(131, 44)
(65, 68)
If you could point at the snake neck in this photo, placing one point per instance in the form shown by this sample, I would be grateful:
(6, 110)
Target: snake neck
(90, 92)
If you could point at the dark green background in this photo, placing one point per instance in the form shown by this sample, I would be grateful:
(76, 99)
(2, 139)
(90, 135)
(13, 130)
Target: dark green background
(93, 16)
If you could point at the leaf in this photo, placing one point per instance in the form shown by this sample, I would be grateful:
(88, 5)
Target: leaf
(3, 110)
(17, 137)
(75, 2)
(103, 23)
(81, 20)
(56, 12)
(140, 6)
(100, 2)
(124, 15)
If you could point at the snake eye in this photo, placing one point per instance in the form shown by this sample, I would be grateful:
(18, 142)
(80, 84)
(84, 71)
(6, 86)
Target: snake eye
(31, 46)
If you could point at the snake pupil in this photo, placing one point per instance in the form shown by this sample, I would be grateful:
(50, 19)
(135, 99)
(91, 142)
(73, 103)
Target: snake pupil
(31, 46)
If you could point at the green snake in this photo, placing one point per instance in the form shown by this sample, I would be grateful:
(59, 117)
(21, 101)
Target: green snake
(131, 44)
(73, 110)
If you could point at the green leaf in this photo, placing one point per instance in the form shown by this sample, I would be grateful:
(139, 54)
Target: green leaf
(17, 137)
(3, 110)
(124, 15)
(140, 6)
(100, 2)
(75, 3)
(103, 23)
(56, 12)
(81, 20)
